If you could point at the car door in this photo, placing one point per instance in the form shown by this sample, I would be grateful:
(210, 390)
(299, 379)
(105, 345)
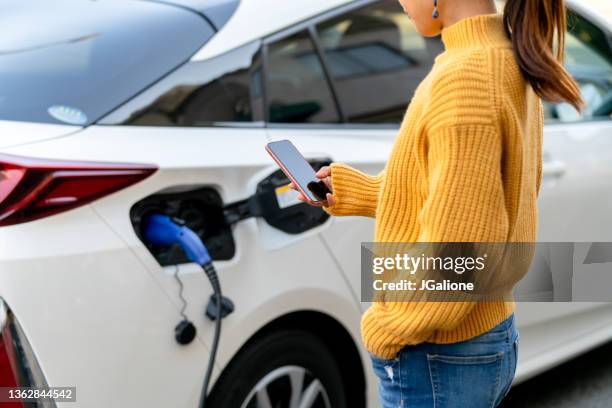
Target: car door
(338, 88)
(202, 127)
(576, 194)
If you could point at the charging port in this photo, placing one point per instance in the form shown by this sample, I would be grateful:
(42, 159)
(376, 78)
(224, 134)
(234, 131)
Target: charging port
(201, 210)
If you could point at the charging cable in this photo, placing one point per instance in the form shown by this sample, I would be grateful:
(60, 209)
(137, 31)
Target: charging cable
(161, 230)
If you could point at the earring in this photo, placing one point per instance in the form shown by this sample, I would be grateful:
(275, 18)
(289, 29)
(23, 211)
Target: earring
(435, 11)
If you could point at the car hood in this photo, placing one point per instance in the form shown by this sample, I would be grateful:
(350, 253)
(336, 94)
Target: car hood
(14, 133)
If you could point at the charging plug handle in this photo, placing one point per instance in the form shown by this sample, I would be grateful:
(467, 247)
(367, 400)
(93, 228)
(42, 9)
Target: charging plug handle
(161, 230)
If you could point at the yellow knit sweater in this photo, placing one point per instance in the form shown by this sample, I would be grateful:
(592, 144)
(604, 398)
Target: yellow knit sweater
(465, 167)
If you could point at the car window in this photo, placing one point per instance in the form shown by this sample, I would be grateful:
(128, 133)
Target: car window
(223, 89)
(588, 58)
(77, 61)
(376, 59)
(297, 90)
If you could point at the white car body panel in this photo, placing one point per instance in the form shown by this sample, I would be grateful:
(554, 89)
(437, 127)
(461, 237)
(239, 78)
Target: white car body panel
(87, 306)
(366, 150)
(14, 133)
(593, 11)
(259, 18)
(576, 173)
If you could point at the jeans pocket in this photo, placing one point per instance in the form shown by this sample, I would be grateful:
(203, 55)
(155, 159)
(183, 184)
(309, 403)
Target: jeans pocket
(385, 369)
(506, 382)
(513, 356)
(465, 381)
(389, 381)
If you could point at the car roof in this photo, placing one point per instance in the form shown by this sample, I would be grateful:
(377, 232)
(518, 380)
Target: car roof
(590, 12)
(217, 11)
(255, 19)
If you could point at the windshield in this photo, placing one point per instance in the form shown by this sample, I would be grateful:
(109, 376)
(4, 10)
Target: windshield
(72, 61)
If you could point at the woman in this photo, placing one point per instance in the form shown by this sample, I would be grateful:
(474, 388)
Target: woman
(466, 167)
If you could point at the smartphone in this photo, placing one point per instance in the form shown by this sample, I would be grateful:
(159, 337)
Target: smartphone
(298, 170)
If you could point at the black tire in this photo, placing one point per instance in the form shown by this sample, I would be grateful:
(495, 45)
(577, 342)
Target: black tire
(264, 355)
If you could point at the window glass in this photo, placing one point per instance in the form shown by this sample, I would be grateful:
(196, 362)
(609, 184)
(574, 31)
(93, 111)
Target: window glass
(377, 59)
(201, 93)
(589, 59)
(297, 90)
(73, 62)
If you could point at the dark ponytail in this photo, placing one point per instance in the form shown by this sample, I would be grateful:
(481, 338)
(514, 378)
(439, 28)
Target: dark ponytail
(533, 26)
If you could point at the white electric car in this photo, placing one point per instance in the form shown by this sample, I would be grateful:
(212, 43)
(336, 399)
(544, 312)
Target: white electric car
(114, 110)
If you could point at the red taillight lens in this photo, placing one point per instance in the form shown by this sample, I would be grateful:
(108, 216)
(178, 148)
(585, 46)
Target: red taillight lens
(34, 188)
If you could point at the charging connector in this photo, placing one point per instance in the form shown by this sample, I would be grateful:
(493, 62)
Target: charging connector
(161, 230)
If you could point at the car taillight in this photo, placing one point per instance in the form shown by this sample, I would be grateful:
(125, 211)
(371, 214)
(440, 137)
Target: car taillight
(35, 188)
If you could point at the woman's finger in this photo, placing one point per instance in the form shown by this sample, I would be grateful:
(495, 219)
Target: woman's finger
(330, 200)
(323, 172)
(328, 183)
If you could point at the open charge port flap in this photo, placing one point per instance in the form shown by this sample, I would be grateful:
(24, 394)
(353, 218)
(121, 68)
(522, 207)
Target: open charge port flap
(292, 217)
(202, 210)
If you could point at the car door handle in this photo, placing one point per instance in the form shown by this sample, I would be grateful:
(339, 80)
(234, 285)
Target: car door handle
(552, 168)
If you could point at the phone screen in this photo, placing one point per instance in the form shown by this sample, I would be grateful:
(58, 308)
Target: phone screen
(293, 163)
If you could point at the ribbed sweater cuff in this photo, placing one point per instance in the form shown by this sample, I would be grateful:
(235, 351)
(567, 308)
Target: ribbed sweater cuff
(355, 192)
(379, 340)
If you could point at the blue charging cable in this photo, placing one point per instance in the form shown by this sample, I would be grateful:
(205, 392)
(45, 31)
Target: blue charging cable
(161, 230)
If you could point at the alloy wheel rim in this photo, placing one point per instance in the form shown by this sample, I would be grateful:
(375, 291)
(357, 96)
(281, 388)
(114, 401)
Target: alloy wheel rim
(291, 386)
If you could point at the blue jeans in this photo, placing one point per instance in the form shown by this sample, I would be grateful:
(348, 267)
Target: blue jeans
(475, 373)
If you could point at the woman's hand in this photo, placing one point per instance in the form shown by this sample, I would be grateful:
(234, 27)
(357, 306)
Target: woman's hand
(324, 174)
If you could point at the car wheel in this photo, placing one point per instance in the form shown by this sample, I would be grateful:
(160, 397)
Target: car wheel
(287, 368)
